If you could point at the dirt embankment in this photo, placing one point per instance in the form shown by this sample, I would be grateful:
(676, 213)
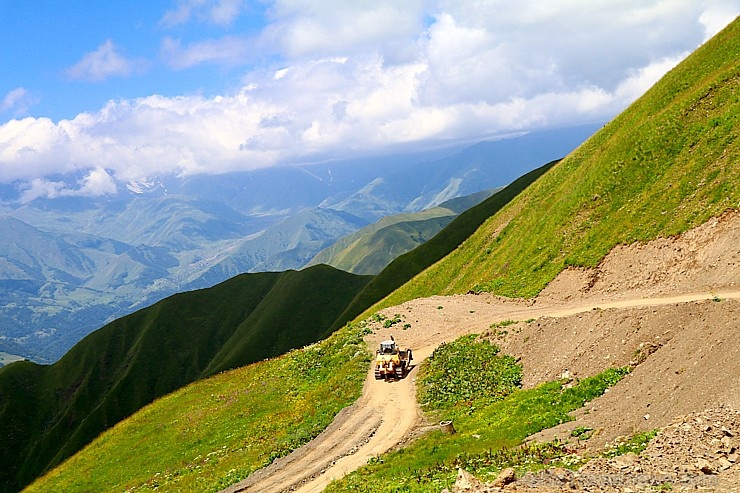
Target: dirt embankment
(672, 305)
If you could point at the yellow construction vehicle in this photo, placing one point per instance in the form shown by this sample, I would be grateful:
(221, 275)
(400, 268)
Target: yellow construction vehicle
(391, 362)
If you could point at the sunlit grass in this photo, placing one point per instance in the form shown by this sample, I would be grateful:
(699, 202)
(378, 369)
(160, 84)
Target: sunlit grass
(216, 432)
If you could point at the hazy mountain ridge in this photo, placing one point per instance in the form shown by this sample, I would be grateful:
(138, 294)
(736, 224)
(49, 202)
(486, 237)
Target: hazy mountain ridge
(370, 249)
(113, 254)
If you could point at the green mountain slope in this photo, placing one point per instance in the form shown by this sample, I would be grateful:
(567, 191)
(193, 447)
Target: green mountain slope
(372, 248)
(667, 163)
(214, 432)
(47, 413)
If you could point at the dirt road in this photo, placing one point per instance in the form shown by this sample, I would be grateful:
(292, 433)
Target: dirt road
(387, 411)
(670, 275)
(380, 419)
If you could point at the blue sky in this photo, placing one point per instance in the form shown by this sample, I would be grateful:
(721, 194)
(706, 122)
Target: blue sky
(51, 38)
(119, 91)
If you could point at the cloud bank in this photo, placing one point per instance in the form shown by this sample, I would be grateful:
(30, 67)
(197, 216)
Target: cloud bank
(344, 78)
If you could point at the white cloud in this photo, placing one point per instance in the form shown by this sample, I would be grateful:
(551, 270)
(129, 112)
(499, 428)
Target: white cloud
(219, 12)
(40, 188)
(17, 102)
(464, 70)
(226, 11)
(103, 63)
(230, 50)
(717, 15)
(639, 81)
(337, 27)
(96, 183)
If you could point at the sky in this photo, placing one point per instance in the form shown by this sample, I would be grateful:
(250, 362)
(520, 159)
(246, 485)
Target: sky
(121, 91)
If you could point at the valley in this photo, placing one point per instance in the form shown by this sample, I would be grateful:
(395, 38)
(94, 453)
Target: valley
(7, 358)
(69, 265)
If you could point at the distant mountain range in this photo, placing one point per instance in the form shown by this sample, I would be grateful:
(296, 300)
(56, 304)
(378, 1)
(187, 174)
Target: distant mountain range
(70, 264)
(370, 249)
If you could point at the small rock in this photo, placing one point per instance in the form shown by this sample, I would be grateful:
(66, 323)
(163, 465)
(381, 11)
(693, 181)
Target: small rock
(563, 475)
(625, 461)
(733, 458)
(727, 432)
(724, 464)
(506, 476)
(705, 466)
(465, 481)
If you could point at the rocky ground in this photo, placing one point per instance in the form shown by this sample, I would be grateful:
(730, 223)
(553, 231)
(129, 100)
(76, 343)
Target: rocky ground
(698, 452)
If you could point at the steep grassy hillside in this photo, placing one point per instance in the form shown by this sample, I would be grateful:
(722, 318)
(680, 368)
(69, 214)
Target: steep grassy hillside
(49, 412)
(217, 431)
(667, 163)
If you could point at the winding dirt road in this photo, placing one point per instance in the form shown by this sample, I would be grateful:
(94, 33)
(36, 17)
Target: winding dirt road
(703, 264)
(387, 412)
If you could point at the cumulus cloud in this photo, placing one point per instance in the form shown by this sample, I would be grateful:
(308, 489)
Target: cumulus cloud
(103, 63)
(334, 27)
(345, 80)
(717, 15)
(96, 183)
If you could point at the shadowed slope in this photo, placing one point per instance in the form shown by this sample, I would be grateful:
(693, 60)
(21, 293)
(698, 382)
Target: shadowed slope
(49, 412)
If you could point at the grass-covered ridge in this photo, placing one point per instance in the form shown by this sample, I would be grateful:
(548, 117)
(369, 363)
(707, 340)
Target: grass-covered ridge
(491, 421)
(666, 164)
(215, 432)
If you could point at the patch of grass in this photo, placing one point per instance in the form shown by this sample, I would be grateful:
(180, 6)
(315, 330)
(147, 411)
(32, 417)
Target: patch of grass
(464, 373)
(582, 432)
(635, 444)
(215, 432)
(390, 322)
(490, 427)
